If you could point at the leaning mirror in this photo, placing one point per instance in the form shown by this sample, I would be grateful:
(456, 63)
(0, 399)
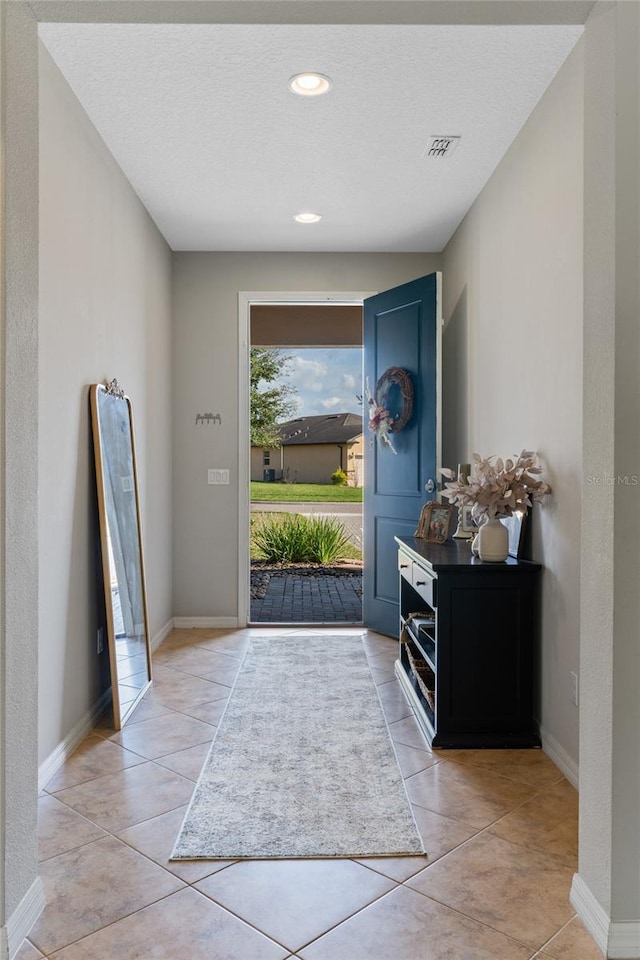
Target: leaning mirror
(121, 542)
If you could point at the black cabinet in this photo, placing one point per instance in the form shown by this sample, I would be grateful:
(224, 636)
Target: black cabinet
(468, 644)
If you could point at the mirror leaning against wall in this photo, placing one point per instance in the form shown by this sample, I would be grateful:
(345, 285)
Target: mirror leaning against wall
(121, 542)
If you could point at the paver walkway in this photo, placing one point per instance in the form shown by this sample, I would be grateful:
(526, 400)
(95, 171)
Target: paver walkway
(292, 597)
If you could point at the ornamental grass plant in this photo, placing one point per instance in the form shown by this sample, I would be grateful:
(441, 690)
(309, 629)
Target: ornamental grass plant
(292, 538)
(328, 538)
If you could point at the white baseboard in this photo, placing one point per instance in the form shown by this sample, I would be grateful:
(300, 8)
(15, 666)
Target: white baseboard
(185, 623)
(49, 767)
(617, 941)
(624, 940)
(162, 634)
(21, 920)
(565, 763)
(590, 911)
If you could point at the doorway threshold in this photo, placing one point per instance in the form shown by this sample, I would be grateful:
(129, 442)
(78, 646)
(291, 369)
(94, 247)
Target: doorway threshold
(306, 624)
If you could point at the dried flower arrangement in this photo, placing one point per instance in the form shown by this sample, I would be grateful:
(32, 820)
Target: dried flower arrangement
(380, 420)
(498, 488)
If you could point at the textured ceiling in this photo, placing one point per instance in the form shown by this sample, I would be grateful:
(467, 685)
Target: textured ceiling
(202, 123)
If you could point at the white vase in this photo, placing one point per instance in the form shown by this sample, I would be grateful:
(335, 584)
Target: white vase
(493, 541)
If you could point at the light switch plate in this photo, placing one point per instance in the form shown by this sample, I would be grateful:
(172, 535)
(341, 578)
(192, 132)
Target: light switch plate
(218, 476)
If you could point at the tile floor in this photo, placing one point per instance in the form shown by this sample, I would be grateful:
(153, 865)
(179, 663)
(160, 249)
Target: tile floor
(500, 828)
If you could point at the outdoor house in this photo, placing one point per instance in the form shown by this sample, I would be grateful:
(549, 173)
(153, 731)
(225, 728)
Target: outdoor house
(311, 449)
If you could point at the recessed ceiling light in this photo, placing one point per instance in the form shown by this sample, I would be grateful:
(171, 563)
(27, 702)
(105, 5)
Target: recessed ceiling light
(309, 84)
(307, 217)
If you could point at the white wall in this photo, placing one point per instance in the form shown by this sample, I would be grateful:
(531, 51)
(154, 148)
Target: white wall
(205, 351)
(105, 275)
(512, 279)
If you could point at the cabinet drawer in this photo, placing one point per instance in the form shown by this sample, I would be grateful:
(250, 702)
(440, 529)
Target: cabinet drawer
(404, 565)
(424, 584)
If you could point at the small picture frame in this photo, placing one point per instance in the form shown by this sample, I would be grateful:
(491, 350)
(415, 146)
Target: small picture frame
(434, 522)
(516, 525)
(466, 521)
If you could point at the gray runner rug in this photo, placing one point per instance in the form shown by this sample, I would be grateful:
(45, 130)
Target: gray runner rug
(302, 764)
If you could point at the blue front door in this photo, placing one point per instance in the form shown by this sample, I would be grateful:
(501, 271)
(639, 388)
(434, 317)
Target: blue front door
(402, 330)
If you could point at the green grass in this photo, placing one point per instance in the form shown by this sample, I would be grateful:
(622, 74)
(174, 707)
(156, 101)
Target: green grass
(304, 493)
(260, 520)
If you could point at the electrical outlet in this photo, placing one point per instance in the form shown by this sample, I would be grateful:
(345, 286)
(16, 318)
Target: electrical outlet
(100, 639)
(574, 687)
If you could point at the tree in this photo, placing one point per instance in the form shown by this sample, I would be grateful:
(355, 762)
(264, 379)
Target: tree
(271, 401)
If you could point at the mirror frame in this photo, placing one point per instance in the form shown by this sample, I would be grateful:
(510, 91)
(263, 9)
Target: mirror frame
(113, 389)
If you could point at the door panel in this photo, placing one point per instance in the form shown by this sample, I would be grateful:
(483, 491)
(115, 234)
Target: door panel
(401, 329)
(386, 576)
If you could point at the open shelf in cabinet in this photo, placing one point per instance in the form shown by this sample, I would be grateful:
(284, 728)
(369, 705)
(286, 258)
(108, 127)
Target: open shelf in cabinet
(424, 638)
(423, 709)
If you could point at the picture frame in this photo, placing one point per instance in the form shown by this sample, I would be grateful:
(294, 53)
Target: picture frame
(434, 522)
(466, 521)
(516, 525)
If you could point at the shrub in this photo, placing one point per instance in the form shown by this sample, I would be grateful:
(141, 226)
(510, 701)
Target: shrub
(281, 538)
(293, 538)
(339, 478)
(329, 540)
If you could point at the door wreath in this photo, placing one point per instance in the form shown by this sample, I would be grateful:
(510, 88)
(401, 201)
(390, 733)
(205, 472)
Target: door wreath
(381, 421)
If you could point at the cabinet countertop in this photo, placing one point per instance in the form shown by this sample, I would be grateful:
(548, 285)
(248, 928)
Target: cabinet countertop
(456, 555)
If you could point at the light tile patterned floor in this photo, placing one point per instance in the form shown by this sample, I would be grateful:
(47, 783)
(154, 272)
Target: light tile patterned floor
(500, 828)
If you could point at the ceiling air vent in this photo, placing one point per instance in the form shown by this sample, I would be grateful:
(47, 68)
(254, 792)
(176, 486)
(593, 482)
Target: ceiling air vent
(441, 146)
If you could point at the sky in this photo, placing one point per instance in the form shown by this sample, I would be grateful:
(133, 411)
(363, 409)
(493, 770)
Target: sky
(326, 380)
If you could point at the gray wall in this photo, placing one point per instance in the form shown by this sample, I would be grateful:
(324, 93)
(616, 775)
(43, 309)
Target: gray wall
(205, 357)
(609, 655)
(105, 274)
(512, 349)
(19, 884)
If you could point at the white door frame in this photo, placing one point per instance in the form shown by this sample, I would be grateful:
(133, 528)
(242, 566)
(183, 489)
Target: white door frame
(246, 300)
